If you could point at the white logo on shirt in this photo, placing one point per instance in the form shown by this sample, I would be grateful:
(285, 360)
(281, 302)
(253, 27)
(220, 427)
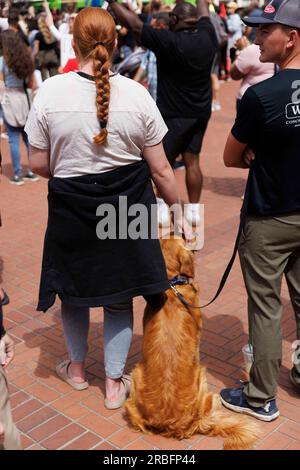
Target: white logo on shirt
(292, 110)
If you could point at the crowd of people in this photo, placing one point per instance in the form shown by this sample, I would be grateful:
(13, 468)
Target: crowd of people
(96, 134)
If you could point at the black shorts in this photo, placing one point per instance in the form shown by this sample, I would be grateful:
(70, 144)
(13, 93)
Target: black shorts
(184, 135)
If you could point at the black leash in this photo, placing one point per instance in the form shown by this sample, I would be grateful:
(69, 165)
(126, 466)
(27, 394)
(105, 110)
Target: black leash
(179, 280)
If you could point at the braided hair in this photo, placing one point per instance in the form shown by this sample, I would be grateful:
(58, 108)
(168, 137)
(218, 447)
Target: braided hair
(94, 34)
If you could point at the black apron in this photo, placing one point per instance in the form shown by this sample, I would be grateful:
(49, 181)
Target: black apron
(84, 270)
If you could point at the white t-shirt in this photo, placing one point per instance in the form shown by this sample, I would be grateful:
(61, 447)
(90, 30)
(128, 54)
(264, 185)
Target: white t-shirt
(64, 120)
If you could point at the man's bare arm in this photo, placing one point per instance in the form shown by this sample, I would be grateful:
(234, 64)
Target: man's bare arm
(202, 8)
(127, 18)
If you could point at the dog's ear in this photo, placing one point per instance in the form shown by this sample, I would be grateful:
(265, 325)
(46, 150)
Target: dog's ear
(186, 263)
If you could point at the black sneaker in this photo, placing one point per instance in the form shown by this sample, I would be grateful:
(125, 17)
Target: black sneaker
(17, 180)
(234, 399)
(294, 381)
(31, 176)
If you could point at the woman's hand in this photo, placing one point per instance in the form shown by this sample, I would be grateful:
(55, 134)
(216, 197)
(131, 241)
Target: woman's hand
(7, 349)
(2, 433)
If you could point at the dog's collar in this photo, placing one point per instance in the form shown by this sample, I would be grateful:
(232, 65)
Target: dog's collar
(179, 281)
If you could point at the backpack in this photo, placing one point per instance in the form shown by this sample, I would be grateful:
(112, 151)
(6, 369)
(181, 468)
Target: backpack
(222, 36)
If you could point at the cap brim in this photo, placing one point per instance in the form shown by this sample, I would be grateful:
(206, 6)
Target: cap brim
(256, 20)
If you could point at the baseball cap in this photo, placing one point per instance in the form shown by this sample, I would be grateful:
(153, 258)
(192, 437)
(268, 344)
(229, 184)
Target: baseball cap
(286, 12)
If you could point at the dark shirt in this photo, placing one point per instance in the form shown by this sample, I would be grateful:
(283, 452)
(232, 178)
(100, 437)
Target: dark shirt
(268, 121)
(184, 62)
(43, 46)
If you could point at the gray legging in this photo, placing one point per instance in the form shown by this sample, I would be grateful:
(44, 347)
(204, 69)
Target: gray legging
(117, 333)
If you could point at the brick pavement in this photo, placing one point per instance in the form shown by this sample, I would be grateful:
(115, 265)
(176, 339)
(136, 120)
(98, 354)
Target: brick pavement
(52, 416)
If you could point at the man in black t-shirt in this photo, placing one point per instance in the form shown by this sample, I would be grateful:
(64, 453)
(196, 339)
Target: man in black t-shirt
(184, 61)
(266, 137)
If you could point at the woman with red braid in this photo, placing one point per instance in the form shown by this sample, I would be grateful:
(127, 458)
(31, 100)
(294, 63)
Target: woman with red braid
(97, 137)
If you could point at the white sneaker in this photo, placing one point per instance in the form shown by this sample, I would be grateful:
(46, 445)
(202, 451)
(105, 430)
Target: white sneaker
(192, 214)
(163, 213)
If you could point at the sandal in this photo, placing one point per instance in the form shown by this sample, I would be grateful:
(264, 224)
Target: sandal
(62, 372)
(5, 299)
(114, 404)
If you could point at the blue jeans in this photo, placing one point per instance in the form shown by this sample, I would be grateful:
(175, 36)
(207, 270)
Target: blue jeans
(14, 142)
(117, 334)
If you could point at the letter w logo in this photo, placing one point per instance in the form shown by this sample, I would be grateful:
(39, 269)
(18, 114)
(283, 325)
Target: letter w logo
(296, 109)
(293, 110)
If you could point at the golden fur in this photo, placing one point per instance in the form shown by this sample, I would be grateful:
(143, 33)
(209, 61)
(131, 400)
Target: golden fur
(169, 394)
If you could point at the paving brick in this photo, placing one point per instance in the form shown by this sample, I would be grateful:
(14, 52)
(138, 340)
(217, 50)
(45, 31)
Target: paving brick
(164, 443)
(26, 409)
(98, 425)
(26, 441)
(18, 398)
(62, 437)
(123, 437)
(84, 442)
(208, 443)
(139, 444)
(48, 428)
(42, 392)
(35, 419)
(275, 441)
(291, 429)
(105, 446)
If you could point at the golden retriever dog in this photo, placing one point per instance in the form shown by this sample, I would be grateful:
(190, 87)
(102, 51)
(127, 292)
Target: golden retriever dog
(169, 394)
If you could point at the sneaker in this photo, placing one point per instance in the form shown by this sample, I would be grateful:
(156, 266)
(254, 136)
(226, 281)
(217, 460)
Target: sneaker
(192, 214)
(31, 176)
(163, 213)
(293, 380)
(234, 399)
(17, 180)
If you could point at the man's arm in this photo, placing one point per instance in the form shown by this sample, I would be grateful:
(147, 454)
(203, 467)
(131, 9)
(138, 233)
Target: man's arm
(202, 8)
(127, 18)
(234, 152)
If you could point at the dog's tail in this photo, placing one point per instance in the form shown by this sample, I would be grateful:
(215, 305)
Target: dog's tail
(239, 432)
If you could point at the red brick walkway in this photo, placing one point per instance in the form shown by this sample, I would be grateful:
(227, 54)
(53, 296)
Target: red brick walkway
(52, 416)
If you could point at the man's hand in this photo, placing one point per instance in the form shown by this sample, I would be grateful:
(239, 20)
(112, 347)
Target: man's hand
(8, 350)
(2, 433)
(248, 156)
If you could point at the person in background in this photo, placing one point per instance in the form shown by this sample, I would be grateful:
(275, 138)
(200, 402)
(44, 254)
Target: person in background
(252, 11)
(265, 137)
(234, 27)
(248, 68)
(16, 70)
(185, 57)
(13, 24)
(148, 67)
(45, 49)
